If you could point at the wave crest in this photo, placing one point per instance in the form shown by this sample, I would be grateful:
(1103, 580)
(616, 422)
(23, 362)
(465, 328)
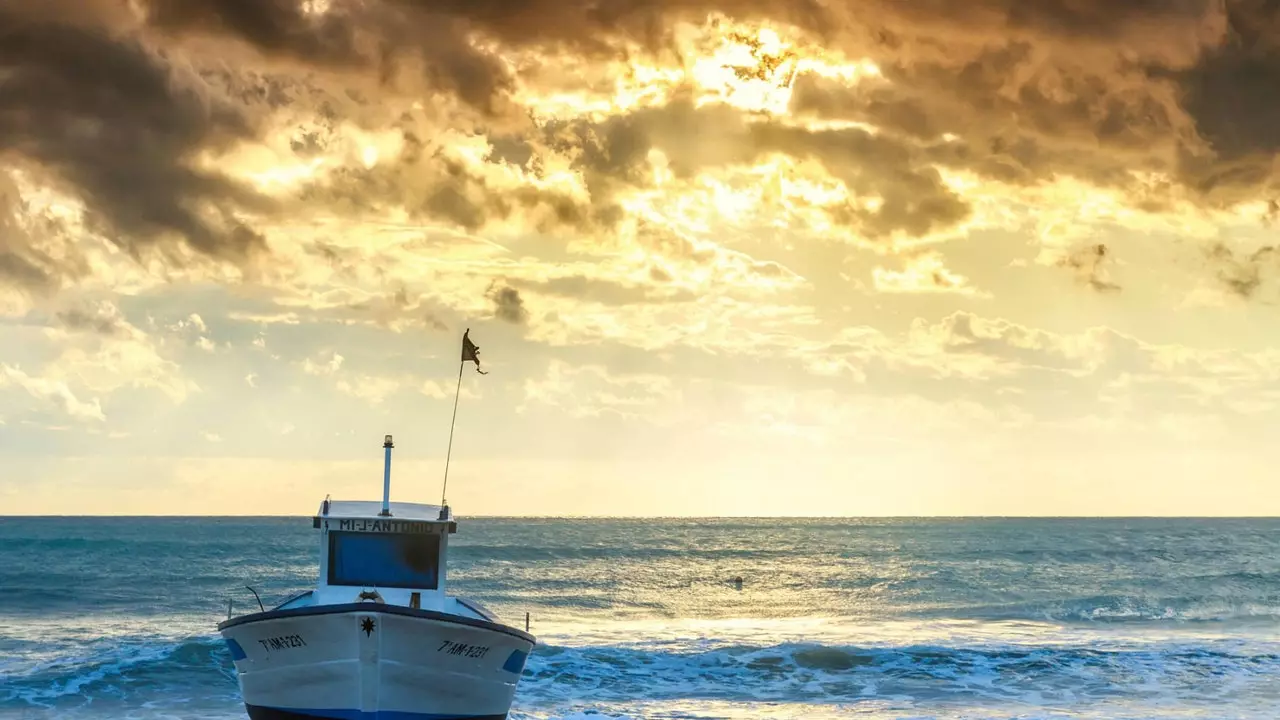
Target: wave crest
(122, 669)
(786, 672)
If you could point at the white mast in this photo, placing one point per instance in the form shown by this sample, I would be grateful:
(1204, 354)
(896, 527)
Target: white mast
(386, 478)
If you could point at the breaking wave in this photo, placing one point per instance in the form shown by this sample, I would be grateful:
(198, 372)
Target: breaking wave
(1120, 609)
(818, 673)
(200, 669)
(119, 669)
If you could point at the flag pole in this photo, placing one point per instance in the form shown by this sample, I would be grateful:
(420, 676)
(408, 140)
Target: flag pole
(449, 453)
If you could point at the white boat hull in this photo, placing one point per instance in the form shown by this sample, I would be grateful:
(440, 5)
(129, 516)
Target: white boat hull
(374, 662)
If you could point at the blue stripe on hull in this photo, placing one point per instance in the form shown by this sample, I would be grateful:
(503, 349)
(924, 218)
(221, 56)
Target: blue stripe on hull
(237, 652)
(515, 662)
(260, 712)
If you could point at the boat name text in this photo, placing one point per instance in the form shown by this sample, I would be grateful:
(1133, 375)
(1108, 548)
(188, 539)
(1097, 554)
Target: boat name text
(386, 526)
(450, 647)
(284, 642)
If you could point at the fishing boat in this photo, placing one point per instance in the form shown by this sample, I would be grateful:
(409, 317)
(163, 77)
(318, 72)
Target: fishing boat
(379, 638)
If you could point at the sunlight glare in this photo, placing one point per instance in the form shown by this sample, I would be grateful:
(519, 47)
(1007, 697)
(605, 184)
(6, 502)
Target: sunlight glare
(284, 176)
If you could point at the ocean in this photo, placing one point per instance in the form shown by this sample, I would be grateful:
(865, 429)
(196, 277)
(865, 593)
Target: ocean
(835, 618)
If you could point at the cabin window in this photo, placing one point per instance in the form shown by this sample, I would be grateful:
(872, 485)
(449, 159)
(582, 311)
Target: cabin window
(389, 560)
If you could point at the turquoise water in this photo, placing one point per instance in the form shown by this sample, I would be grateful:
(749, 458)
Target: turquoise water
(114, 617)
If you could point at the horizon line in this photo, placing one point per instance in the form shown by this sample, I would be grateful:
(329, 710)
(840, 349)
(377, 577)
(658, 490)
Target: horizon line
(683, 517)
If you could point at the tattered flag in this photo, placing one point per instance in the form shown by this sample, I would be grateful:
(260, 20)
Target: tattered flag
(471, 351)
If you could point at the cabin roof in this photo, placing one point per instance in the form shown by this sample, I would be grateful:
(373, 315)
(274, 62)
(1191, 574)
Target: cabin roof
(370, 509)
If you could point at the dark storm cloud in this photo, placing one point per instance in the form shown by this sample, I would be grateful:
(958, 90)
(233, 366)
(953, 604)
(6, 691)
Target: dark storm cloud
(389, 41)
(468, 200)
(1028, 90)
(277, 27)
(1018, 90)
(508, 306)
(1144, 24)
(914, 199)
(1231, 92)
(1095, 90)
(429, 41)
(1231, 96)
(593, 27)
(107, 118)
(1013, 123)
(359, 32)
(32, 271)
(24, 271)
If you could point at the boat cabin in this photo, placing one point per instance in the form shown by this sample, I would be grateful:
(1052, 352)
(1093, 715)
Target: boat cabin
(397, 557)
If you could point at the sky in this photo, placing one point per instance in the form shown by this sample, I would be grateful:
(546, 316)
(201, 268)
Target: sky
(748, 257)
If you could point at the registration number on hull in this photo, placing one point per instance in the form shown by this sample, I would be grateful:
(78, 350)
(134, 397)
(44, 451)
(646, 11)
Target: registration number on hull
(283, 642)
(449, 647)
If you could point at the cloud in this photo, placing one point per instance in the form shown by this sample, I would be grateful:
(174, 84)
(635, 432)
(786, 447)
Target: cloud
(1028, 91)
(1088, 263)
(97, 110)
(1243, 274)
(924, 273)
(285, 318)
(508, 306)
(593, 286)
(194, 321)
(1227, 92)
(323, 367)
(35, 257)
(387, 41)
(373, 388)
(376, 389)
(968, 345)
(325, 101)
(451, 178)
(92, 349)
(55, 392)
(275, 26)
(593, 391)
(370, 388)
(895, 190)
(102, 318)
